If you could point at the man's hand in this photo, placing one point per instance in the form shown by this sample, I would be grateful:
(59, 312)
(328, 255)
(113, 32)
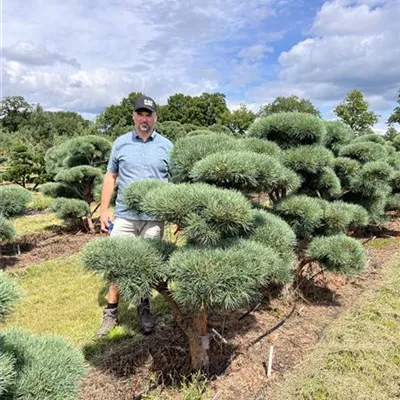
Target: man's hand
(106, 193)
(105, 218)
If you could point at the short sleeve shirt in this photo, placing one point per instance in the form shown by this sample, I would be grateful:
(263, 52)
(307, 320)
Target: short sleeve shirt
(135, 160)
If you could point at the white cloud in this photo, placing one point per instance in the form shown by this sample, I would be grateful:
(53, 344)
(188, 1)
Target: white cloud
(255, 52)
(26, 52)
(88, 55)
(355, 20)
(355, 45)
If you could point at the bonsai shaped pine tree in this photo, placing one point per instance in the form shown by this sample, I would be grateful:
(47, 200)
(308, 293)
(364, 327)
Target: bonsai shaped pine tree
(315, 210)
(77, 167)
(232, 245)
(34, 367)
(220, 265)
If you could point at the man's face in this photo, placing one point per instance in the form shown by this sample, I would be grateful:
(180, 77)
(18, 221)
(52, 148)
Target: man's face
(144, 121)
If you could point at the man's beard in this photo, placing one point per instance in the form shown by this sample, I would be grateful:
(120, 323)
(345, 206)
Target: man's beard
(144, 127)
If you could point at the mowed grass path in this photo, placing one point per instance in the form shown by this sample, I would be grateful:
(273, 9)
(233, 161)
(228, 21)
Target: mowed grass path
(359, 357)
(58, 297)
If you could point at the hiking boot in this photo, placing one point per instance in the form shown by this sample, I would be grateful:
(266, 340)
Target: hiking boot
(146, 320)
(110, 320)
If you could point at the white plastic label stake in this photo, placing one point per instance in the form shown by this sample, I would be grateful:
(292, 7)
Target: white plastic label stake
(271, 356)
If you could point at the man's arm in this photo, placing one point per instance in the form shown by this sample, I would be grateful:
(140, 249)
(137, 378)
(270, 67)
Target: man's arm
(106, 194)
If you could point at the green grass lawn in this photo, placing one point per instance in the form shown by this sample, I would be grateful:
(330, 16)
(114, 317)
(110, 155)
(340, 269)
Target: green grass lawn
(61, 297)
(359, 357)
(58, 297)
(36, 223)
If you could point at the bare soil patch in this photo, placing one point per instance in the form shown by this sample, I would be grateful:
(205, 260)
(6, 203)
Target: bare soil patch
(39, 247)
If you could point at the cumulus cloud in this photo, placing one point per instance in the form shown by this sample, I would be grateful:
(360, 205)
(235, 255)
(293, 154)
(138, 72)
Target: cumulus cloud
(351, 45)
(26, 52)
(160, 47)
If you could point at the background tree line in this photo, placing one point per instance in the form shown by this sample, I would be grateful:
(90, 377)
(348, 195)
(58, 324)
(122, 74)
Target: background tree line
(28, 132)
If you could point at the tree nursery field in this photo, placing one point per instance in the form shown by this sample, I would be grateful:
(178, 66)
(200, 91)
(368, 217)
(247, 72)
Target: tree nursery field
(277, 276)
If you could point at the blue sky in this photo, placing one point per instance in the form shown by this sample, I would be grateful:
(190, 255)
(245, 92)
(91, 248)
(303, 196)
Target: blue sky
(84, 55)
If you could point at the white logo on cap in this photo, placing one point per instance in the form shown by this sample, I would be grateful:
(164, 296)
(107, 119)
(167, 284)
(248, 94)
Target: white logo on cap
(148, 102)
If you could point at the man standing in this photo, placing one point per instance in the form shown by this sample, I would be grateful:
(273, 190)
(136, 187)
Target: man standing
(137, 155)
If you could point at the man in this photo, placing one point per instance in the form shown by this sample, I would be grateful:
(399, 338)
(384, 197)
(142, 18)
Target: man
(137, 155)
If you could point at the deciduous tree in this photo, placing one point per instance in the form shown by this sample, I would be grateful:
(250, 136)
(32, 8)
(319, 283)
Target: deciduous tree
(354, 112)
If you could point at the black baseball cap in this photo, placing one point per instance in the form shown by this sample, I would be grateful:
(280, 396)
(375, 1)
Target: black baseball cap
(145, 103)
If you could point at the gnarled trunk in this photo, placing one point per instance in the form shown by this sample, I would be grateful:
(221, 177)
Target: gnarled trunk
(195, 328)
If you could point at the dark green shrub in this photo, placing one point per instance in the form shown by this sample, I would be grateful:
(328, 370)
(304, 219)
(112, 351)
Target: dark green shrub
(273, 231)
(191, 127)
(328, 184)
(70, 210)
(374, 202)
(220, 129)
(359, 216)
(364, 151)
(200, 132)
(9, 296)
(136, 270)
(393, 202)
(14, 200)
(308, 159)
(224, 278)
(46, 367)
(7, 231)
(396, 142)
(245, 171)
(370, 138)
(256, 145)
(225, 213)
(84, 150)
(58, 189)
(345, 169)
(313, 163)
(191, 149)
(172, 130)
(304, 214)
(133, 195)
(394, 160)
(338, 134)
(289, 129)
(336, 218)
(77, 166)
(81, 179)
(340, 216)
(340, 254)
(372, 177)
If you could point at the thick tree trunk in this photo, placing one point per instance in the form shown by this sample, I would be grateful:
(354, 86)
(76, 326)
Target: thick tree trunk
(198, 339)
(195, 329)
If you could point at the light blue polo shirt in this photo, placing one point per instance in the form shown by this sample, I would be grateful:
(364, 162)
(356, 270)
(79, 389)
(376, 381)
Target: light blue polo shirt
(134, 160)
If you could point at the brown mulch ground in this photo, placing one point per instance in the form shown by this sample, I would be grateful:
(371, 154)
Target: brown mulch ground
(37, 248)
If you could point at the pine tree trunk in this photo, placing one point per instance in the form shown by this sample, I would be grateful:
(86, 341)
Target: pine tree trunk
(198, 339)
(195, 329)
(90, 223)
